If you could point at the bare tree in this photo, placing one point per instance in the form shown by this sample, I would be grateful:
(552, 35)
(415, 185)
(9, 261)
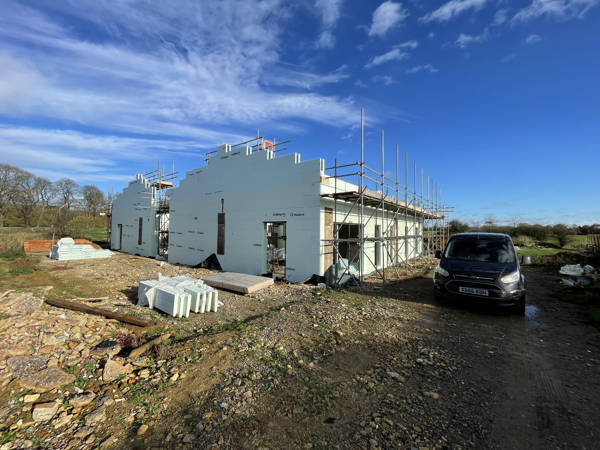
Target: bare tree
(67, 191)
(8, 189)
(27, 197)
(93, 199)
(490, 222)
(46, 193)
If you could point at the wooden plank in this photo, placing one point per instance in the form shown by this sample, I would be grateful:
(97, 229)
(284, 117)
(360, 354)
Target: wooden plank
(144, 348)
(125, 318)
(238, 282)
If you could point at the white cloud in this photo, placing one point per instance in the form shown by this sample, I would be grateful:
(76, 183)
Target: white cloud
(431, 35)
(326, 40)
(556, 9)
(408, 44)
(393, 55)
(92, 157)
(360, 84)
(464, 40)
(386, 80)
(452, 9)
(423, 68)
(500, 17)
(158, 69)
(386, 16)
(330, 14)
(532, 39)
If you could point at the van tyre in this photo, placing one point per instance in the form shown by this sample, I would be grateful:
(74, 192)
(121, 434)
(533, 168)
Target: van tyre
(520, 306)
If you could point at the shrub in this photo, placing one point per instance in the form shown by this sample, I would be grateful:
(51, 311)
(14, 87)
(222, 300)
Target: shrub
(562, 234)
(12, 255)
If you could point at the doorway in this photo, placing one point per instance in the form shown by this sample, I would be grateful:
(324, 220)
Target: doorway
(348, 246)
(275, 233)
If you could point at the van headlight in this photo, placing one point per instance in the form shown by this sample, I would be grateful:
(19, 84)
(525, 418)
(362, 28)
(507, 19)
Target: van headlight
(443, 272)
(511, 277)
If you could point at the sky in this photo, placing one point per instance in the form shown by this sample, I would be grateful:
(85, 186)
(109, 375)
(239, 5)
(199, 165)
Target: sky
(497, 100)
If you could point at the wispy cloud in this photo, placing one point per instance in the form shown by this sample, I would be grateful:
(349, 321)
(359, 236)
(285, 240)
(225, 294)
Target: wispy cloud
(330, 13)
(85, 156)
(452, 9)
(386, 16)
(395, 54)
(556, 9)
(160, 71)
(386, 80)
(464, 40)
(408, 44)
(508, 57)
(422, 68)
(500, 17)
(533, 38)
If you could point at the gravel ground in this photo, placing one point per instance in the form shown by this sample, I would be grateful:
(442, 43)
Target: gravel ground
(295, 366)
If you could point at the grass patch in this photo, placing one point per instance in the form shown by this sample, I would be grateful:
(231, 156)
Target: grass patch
(13, 255)
(21, 270)
(7, 436)
(81, 382)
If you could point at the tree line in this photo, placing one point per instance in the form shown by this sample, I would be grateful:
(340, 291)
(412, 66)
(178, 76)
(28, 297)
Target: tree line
(535, 232)
(32, 201)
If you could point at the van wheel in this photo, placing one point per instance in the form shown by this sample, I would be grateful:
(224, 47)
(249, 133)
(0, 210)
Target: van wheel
(519, 308)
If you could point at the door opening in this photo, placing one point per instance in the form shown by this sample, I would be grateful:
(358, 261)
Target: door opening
(348, 249)
(275, 233)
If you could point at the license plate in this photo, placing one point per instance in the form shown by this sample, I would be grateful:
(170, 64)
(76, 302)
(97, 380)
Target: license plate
(475, 291)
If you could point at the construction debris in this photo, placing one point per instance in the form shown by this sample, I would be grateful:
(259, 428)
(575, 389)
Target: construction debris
(148, 345)
(178, 296)
(99, 312)
(67, 250)
(577, 276)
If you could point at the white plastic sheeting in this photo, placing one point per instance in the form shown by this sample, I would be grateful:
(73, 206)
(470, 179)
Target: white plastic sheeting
(178, 296)
(66, 250)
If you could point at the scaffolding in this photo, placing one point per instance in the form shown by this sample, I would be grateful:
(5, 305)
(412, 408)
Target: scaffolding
(370, 195)
(161, 182)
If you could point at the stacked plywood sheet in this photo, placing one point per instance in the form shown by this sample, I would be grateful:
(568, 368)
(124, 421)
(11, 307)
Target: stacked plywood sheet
(238, 282)
(66, 250)
(178, 296)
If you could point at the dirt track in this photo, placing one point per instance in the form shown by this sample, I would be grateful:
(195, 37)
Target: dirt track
(539, 376)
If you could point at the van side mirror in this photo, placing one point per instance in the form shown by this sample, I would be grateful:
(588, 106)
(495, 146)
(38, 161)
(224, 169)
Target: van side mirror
(438, 254)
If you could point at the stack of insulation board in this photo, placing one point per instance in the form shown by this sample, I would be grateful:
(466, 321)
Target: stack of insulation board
(178, 296)
(66, 249)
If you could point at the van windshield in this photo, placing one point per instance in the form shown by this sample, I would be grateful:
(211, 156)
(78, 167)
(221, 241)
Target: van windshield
(481, 249)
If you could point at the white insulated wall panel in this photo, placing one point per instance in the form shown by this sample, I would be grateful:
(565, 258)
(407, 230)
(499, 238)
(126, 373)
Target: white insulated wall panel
(136, 201)
(256, 188)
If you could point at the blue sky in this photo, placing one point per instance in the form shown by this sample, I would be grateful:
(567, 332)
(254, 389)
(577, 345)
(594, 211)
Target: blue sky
(498, 101)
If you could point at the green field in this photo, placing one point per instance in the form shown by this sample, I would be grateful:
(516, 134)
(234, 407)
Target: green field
(13, 237)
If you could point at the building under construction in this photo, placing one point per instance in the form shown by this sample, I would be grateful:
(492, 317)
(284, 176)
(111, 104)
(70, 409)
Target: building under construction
(257, 212)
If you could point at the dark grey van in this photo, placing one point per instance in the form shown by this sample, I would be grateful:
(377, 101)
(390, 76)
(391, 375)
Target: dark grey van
(481, 267)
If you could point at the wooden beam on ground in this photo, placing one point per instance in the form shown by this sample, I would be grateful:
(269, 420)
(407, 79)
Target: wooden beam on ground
(74, 306)
(144, 348)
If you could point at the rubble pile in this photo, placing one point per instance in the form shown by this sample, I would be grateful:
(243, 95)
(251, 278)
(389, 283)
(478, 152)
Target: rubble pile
(573, 275)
